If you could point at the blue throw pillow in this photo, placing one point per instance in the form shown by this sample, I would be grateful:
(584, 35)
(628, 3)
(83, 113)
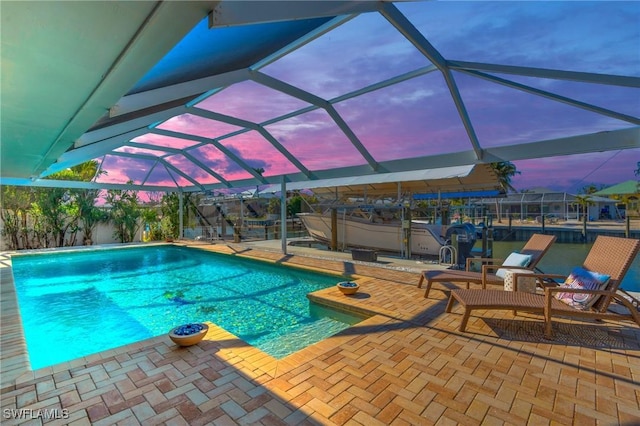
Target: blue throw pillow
(514, 259)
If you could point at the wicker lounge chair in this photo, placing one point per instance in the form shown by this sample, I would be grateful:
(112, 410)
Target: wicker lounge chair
(609, 255)
(537, 246)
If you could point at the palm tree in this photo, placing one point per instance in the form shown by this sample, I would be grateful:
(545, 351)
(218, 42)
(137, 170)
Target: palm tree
(505, 170)
(591, 188)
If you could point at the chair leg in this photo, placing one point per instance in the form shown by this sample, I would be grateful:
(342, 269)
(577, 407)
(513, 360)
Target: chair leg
(450, 303)
(465, 319)
(426, 292)
(548, 333)
(465, 316)
(421, 280)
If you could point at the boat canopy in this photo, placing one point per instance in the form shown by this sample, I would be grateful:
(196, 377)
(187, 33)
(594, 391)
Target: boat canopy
(432, 181)
(464, 194)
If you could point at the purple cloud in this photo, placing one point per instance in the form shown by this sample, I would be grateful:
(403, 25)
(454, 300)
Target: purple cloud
(571, 173)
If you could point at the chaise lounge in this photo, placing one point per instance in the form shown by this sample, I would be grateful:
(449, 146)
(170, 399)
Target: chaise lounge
(607, 263)
(533, 250)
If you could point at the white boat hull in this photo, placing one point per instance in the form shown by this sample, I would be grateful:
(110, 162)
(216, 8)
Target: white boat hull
(351, 233)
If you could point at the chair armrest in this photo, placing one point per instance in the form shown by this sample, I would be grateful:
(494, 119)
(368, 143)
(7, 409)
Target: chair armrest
(551, 290)
(548, 293)
(483, 260)
(602, 310)
(541, 277)
(485, 270)
(496, 267)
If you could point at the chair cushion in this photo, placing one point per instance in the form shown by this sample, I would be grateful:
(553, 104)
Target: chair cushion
(582, 278)
(514, 259)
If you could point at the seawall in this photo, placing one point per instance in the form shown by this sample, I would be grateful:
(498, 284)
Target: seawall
(564, 234)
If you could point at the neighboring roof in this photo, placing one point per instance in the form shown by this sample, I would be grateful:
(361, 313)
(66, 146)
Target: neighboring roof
(540, 190)
(146, 88)
(546, 198)
(624, 188)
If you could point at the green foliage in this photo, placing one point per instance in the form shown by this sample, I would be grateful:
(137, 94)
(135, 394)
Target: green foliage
(89, 213)
(58, 213)
(46, 217)
(170, 222)
(124, 213)
(40, 230)
(15, 203)
(294, 203)
(584, 200)
(274, 206)
(151, 219)
(591, 188)
(505, 170)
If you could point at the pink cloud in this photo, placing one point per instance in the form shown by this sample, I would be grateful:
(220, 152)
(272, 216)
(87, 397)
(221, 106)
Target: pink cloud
(123, 169)
(316, 141)
(164, 141)
(251, 101)
(199, 126)
(220, 163)
(187, 166)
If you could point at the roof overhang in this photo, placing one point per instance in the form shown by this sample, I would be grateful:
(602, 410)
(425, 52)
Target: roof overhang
(65, 63)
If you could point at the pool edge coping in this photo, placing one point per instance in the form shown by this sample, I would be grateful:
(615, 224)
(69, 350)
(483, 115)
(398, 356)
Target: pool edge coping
(21, 372)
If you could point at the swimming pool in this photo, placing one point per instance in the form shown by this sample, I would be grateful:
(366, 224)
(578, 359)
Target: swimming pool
(128, 294)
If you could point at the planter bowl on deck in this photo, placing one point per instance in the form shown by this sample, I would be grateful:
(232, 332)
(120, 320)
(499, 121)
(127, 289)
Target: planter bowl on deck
(188, 334)
(348, 287)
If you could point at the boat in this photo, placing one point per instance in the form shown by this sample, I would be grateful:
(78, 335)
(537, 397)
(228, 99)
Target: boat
(427, 238)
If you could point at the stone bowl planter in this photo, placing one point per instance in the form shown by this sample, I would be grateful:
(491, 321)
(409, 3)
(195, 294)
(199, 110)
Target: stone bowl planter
(188, 334)
(348, 287)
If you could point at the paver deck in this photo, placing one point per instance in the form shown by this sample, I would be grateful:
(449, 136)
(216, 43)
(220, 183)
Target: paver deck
(405, 365)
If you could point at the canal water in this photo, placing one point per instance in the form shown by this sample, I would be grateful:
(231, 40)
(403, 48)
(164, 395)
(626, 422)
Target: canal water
(563, 257)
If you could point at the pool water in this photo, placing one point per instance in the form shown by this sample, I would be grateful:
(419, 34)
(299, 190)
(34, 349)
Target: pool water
(75, 304)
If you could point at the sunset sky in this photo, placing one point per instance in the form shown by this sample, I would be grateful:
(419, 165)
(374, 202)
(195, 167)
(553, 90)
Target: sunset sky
(417, 117)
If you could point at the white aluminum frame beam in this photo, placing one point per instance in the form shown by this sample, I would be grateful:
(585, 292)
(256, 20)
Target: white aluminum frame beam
(597, 142)
(166, 164)
(186, 154)
(554, 97)
(583, 77)
(251, 126)
(234, 13)
(303, 95)
(411, 33)
(213, 142)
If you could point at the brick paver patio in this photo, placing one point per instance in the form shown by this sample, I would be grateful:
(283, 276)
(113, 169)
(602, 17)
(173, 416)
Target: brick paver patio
(405, 365)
